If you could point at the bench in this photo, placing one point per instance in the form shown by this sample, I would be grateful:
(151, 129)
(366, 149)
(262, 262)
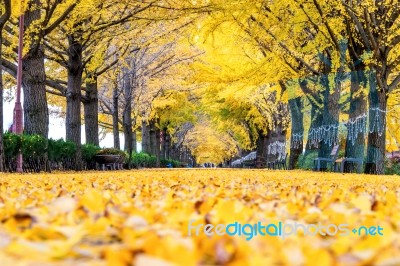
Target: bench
(249, 163)
(343, 161)
(279, 163)
(331, 161)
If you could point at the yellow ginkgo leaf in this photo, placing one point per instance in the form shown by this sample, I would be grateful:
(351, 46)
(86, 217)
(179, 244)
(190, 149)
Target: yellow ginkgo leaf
(93, 201)
(362, 203)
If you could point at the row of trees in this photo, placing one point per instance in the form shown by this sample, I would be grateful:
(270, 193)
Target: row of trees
(339, 58)
(88, 52)
(210, 78)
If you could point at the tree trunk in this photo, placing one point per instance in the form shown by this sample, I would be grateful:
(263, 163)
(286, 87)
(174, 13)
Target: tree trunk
(316, 115)
(153, 141)
(261, 148)
(276, 138)
(36, 114)
(316, 122)
(3, 19)
(115, 117)
(73, 118)
(355, 140)
(157, 148)
(184, 154)
(330, 118)
(297, 129)
(127, 114)
(167, 145)
(134, 140)
(145, 138)
(91, 111)
(173, 153)
(377, 129)
(2, 159)
(162, 144)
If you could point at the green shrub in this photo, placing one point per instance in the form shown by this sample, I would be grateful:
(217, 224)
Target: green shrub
(29, 145)
(110, 151)
(12, 144)
(89, 151)
(59, 150)
(140, 159)
(392, 166)
(306, 161)
(166, 162)
(33, 145)
(152, 161)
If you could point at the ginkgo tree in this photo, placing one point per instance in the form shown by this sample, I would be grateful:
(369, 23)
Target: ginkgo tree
(235, 96)
(78, 51)
(145, 81)
(208, 144)
(262, 61)
(77, 37)
(375, 26)
(5, 14)
(40, 19)
(318, 47)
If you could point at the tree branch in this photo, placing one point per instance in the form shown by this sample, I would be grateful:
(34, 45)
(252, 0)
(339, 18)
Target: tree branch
(6, 15)
(330, 31)
(359, 26)
(394, 84)
(56, 85)
(59, 20)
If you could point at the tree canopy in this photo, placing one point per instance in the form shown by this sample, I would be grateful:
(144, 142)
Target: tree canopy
(217, 79)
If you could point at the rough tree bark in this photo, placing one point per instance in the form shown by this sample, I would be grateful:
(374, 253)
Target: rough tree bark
(157, 148)
(162, 143)
(167, 145)
(173, 151)
(316, 121)
(358, 106)
(330, 114)
(73, 117)
(358, 102)
(134, 144)
(145, 137)
(152, 138)
(115, 117)
(261, 148)
(127, 115)
(3, 19)
(2, 159)
(91, 111)
(297, 127)
(278, 134)
(316, 114)
(381, 25)
(36, 114)
(128, 135)
(377, 128)
(275, 132)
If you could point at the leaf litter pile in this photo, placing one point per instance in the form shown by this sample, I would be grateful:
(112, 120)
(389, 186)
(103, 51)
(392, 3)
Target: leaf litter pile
(141, 217)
